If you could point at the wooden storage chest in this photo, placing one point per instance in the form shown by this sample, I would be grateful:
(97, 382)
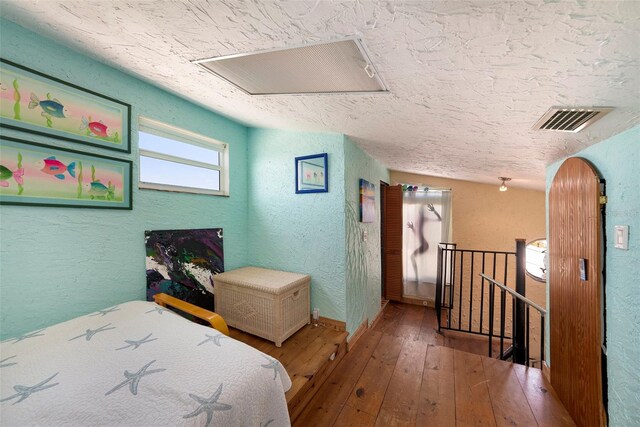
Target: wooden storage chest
(271, 304)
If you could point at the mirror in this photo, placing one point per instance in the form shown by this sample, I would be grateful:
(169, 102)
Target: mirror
(536, 259)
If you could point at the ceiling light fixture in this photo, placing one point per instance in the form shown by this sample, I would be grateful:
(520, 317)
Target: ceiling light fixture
(503, 187)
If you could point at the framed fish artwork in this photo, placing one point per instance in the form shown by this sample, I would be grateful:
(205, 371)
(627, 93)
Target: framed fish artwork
(43, 175)
(31, 101)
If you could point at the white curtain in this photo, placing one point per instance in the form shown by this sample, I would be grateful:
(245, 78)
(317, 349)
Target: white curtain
(427, 222)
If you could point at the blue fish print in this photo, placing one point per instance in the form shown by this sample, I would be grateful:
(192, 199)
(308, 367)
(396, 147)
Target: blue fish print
(98, 189)
(50, 107)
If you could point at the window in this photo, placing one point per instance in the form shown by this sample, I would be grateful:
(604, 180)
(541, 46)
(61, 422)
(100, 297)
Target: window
(174, 159)
(536, 256)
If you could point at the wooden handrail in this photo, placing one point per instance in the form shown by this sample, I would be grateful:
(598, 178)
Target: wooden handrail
(215, 320)
(524, 299)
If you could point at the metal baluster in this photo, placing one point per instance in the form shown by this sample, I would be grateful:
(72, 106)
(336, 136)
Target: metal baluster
(503, 301)
(471, 292)
(493, 276)
(491, 304)
(482, 294)
(513, 329)
(527, 337)
(461, 276)
(439, 288)
(452, 276)
(542, 332)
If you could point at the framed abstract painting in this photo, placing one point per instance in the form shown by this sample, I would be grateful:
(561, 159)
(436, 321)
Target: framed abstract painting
(311, 174)
(43, 175)
(33, 102)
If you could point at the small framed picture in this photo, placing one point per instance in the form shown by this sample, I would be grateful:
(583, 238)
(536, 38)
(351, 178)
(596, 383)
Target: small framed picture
(367, 201)
(312, 174)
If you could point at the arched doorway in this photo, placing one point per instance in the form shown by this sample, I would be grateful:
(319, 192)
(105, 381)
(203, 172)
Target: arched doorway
(576, 291)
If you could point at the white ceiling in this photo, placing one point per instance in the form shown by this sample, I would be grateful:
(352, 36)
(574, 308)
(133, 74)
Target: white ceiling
(467, 79)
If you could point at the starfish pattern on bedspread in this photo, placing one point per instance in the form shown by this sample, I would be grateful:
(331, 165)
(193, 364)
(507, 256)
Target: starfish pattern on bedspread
(208, 405)
(267, 423)
(105, 311)
(134, 379)
(158, 310)
(4, 365)
(91, 332)
(214, 339)
(135, 344)
(26, 336)
(25, 391)
(273, 364)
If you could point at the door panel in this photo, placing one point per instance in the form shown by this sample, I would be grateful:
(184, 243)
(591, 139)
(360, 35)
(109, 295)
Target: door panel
(393, 242)
(575, 302)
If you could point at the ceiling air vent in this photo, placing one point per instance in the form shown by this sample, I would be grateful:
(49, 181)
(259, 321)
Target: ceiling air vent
(570, 119)
(337, 67)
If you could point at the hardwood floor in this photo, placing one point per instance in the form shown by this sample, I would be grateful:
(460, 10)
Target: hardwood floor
(401, 373)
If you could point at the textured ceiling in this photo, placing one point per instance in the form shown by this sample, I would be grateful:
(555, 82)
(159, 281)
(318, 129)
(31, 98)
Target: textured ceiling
(467, 79)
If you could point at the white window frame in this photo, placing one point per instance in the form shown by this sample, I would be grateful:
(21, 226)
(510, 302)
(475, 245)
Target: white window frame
(157, 128)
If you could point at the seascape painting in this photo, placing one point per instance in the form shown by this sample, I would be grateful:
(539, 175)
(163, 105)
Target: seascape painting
(182, 263)
(38, 174)
(367, 201)
(34, 102)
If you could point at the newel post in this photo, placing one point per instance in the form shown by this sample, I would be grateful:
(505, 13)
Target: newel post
(519, 350)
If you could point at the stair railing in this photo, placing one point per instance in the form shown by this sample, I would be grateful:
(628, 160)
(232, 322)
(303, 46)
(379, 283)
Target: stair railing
(466, 299)
(462, 295)
(520, 352)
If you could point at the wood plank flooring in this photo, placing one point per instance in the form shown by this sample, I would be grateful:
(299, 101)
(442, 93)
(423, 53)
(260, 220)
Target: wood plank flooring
(400, 373)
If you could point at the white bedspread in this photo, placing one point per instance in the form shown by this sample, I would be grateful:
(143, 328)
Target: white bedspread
(138, 364)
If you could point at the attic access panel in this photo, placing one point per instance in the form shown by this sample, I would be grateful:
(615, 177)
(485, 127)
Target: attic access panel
(324, 68)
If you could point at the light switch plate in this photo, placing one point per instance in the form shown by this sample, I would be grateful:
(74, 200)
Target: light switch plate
(621, 237)
(582, 267)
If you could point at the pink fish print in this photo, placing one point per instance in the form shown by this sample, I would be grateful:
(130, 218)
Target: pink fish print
(96, 128)
(54, 167)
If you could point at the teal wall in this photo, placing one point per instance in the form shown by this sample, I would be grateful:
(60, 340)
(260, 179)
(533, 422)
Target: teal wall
(58, 263)
(298, 232)
(363, 275)
(318, 233)
(618, 159)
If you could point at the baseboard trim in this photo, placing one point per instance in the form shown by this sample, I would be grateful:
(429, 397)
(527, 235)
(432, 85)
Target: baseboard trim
(338, 325)
(546, 371)
(351, 342)
(379, 315)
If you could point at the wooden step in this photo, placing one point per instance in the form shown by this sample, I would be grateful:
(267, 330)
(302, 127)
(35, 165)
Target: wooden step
(309, 356)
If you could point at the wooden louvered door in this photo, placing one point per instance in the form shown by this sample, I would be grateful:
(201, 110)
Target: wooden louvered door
(392, 235)
(575, 302)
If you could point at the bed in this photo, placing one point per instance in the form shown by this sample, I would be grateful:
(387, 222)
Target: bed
(139, 364)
